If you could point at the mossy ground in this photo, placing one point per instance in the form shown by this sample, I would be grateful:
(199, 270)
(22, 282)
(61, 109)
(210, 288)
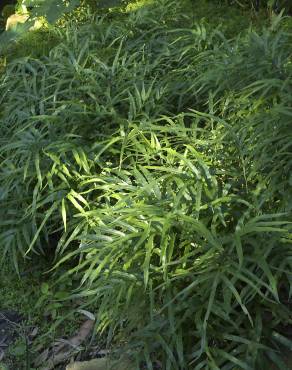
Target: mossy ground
(32, 295)
(20, 294)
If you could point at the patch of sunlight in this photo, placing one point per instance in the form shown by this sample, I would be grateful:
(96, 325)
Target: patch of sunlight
(135, 5)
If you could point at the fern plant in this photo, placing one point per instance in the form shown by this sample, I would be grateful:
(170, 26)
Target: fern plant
(154, 162)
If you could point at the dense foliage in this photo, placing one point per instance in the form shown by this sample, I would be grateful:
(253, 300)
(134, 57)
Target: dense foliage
(275, 5)
(154, 162)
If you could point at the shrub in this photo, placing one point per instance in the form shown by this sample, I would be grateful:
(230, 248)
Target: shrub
(159, 158)
(275, 5)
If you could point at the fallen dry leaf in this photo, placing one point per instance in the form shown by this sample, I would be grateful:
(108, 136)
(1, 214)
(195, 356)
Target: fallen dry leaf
(64, 349)
(102, 364)
(34, 332)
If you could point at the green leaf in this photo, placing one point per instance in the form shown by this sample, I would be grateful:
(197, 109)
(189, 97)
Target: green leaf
(45, 288)
(19, 350)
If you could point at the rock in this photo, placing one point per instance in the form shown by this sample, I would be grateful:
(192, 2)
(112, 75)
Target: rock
(102, 364)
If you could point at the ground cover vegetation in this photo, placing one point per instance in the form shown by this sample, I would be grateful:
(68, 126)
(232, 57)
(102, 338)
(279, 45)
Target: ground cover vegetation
(147, 157)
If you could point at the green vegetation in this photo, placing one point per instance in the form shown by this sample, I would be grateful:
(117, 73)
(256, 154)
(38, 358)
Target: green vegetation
(146, 155)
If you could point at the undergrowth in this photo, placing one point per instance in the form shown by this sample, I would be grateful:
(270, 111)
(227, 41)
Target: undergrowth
(153, 161)
(35, 299)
